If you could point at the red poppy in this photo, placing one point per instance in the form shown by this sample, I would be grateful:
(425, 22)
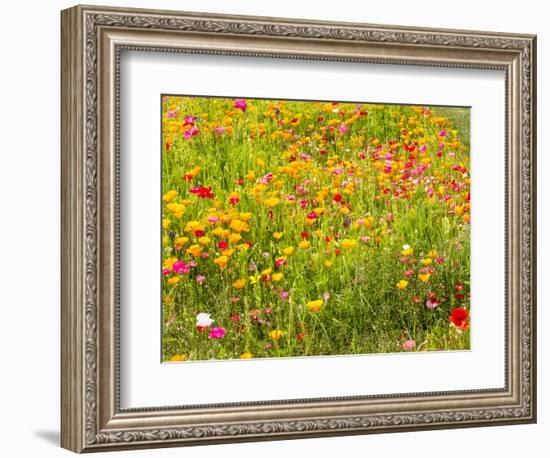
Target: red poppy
(337, 198)
(459, 297)
(459, 317)
(222, 245)
(187, 177)
(304, 234)
(199, 232)
(312, 215)
(202, 192)
(234, 200)
(167, 146)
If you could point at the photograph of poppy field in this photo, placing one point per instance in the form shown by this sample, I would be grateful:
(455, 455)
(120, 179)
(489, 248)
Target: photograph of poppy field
(313, 228)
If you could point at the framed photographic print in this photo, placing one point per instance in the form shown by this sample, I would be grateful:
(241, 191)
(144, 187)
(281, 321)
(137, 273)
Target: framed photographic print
(277, 228)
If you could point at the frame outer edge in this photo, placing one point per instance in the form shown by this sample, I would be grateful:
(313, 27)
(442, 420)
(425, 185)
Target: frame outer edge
(81, 377)
(533, 252)
(72, 228)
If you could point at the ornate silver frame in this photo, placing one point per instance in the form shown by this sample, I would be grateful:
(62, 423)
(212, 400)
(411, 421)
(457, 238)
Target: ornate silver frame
(92, 39)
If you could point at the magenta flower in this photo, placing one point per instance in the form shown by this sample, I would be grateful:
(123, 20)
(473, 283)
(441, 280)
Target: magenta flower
(422, 149)
(180, 267)
(219, 130)
(170, 114)
(189, 121)
(191, 132)
(240, 104)
(343, 128)
(284, 294)
(312, 215)
(200, 279)
(165, 271)
(213, 219)
(408, 345)
(216, 333)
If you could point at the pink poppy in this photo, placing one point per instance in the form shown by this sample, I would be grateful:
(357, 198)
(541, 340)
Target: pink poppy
(191, 132)
(180, 267)
(216, 333)
(432, 303)
(240, 104)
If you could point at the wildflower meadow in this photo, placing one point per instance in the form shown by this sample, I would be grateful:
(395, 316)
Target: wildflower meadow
(305, 228)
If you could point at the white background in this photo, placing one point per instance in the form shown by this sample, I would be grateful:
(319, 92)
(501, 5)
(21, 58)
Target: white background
(29, 242)
(145, 76)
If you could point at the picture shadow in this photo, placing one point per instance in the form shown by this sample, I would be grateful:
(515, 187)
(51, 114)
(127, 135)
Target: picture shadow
(52, 437)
